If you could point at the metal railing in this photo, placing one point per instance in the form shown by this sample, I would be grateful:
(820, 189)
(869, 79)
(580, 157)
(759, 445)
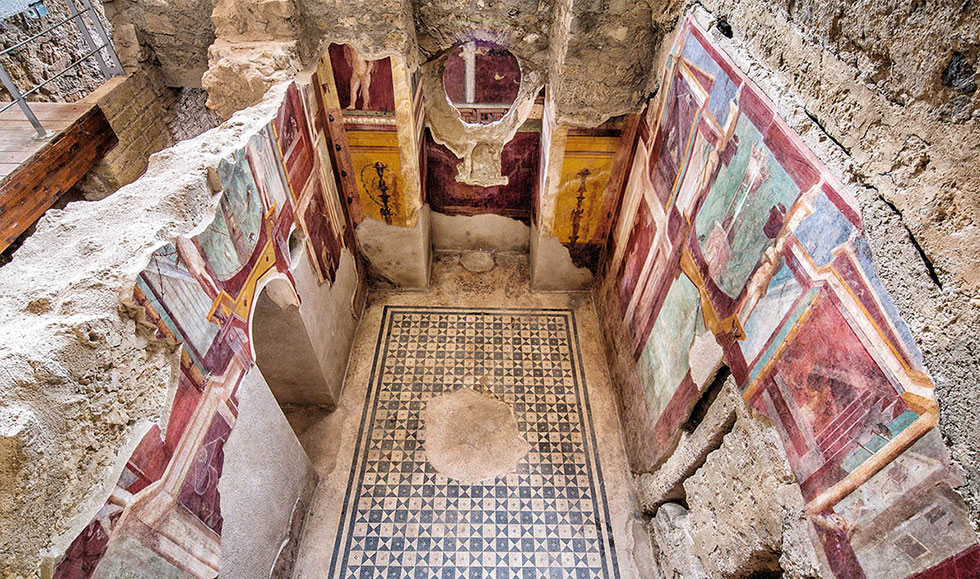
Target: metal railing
(108, 62)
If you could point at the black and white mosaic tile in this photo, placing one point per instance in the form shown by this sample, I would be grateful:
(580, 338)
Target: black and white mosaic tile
(548, 518)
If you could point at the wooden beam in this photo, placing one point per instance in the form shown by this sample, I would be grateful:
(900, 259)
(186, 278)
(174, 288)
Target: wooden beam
(32, 188)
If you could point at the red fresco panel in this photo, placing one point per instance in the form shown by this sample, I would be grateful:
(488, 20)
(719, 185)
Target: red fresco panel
(965, 565)
(199, 494)
(791, 157)
(293, 136)
(323, 237)
(515, 199)
(850, 271)
(823, 372)
(377, 73)
(755, 107)
(185, 402)
(676, 413)
(148, 461)
(637, 250)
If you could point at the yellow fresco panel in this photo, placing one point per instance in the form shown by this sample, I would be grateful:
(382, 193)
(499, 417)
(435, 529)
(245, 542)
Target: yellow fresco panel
(585, 174)
(376, 159)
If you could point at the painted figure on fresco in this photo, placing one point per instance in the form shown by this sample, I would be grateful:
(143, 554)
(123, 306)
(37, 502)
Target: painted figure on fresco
(194, 262)
(267, 169)
(294, 140)
(360, 78)
(362, 84)
(718, 248)
(324, 242)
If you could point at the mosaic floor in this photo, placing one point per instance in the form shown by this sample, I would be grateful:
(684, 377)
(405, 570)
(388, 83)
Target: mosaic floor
(548, 518)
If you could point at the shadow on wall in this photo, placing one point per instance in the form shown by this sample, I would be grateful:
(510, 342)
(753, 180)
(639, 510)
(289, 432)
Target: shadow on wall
(164, 516)
(284, 350)
(731, 230)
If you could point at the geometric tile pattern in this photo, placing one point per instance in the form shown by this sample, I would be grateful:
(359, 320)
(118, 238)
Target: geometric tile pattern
(549, 518)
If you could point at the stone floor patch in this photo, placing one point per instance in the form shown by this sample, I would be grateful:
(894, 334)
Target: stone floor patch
(471, 437)
(477, 261)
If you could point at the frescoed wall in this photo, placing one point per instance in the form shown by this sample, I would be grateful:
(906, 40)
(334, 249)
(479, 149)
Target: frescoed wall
(515, 199)
(581, 177)
(587, 190)
(370, 115)
(731, 229)
(164, 516)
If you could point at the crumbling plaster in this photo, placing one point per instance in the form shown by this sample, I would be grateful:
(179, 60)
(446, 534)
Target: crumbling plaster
(863, 84)
(552, 268)
(81, 377)
(743, 513)
(556, 41)
(601, 58)
(487, 232)
(479, 147)
(399, 255)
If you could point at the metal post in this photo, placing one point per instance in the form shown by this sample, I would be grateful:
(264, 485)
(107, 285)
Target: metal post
(87, 37)
(41, 133)
(115, 66)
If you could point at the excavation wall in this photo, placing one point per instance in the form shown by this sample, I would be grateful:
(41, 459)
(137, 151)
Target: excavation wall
(160, 338)
(736, 245)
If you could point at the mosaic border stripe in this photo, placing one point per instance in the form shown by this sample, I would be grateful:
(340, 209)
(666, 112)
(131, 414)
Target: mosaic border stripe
(593, 467)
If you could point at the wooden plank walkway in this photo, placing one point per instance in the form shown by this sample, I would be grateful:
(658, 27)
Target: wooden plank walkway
(33, 173)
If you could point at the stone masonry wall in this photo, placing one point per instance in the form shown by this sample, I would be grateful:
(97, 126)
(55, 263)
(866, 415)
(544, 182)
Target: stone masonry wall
(742, 514)
(146, 116)
(41, 59)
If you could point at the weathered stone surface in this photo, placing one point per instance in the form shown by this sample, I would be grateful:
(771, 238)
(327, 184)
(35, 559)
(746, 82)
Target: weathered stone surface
(242, 72)
(476, 261)
(745, 512)
(173, 36)
(601, 59)
(877, 91)
(666, 483)
(471, 436)
(41, 59)
(552, 268)
(399, 255)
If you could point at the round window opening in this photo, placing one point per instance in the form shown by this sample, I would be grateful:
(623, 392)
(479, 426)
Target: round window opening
(482, 80)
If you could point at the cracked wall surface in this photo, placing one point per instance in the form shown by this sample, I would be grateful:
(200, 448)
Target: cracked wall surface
(887, 95)
(732, 230)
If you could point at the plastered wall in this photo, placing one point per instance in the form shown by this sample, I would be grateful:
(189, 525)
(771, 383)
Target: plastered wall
(735, 241)
(163, 515)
